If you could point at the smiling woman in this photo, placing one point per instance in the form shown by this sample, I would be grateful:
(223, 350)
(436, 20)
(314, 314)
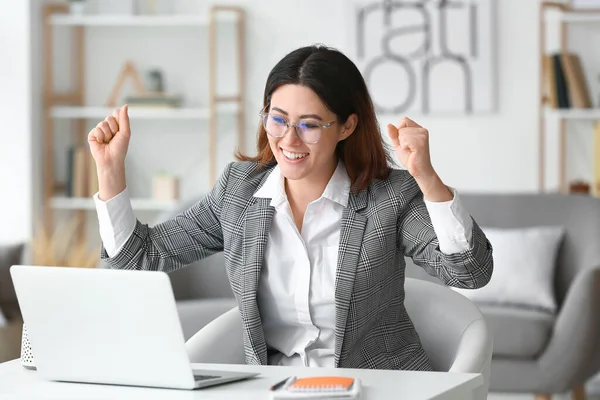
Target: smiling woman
(325, 93)
(315, 227)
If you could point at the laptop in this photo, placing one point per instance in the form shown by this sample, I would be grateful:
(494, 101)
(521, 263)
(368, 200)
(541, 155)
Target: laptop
(108, 327)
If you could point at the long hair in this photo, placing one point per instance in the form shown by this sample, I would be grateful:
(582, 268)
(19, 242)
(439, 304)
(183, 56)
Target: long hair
(340, 85)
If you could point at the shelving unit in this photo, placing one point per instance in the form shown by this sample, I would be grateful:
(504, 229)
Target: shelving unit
(84, 203)
(575, 114)
(565, 17)
(581, 17)
(71, 106)
(137, 20)
(75, 112)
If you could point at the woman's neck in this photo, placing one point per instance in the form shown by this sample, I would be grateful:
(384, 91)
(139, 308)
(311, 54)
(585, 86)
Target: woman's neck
(304, 191)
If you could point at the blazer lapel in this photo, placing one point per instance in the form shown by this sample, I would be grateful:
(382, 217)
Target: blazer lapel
(257, 223)
(351, 235)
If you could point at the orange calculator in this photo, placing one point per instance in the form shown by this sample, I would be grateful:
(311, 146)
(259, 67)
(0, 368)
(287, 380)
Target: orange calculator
(317, 387)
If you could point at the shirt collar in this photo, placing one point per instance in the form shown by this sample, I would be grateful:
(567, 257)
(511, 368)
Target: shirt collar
(337, 189)
(273, 188)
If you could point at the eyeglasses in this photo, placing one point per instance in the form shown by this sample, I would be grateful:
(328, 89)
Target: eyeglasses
(309, 131)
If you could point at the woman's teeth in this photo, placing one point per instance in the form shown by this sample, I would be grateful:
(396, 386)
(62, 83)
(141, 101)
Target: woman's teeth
(293, 156)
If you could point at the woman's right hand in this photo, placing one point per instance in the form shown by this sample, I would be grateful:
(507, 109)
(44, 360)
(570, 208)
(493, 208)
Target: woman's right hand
(109, 141)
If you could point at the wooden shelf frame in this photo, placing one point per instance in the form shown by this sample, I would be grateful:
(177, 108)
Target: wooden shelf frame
(183, 113)
(137, 20)
(72, 105)
(567, 16)
(86, 203)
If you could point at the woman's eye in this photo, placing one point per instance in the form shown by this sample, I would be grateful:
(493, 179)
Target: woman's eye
(308, 125)
(278, 120)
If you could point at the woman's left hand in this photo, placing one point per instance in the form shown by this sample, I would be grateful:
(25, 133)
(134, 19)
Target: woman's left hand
(411, 142)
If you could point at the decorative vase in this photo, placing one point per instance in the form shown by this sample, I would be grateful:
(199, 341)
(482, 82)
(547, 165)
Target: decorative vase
(27, 360)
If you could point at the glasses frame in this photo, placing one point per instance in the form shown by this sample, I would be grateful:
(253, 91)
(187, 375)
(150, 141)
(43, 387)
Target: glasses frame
(288, 125)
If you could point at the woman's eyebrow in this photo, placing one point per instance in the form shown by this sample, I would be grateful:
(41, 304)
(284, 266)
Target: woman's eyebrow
(280, 110)
(314, 116)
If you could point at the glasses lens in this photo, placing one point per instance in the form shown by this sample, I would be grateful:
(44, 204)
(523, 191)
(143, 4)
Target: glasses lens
(274, 125)
(310, 132)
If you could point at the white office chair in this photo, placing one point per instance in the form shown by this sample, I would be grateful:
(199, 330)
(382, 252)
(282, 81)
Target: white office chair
(453, 331)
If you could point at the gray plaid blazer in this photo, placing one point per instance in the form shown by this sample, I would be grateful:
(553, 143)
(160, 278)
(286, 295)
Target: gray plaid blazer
(381, 225)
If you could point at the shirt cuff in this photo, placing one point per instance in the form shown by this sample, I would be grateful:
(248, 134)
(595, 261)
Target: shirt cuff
(116, 221)
(452, 224)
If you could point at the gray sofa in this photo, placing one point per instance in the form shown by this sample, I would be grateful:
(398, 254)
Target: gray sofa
(202, 292)
(202, 289)
(537, 352)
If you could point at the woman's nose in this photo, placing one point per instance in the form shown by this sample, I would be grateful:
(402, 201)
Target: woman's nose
(291, 137)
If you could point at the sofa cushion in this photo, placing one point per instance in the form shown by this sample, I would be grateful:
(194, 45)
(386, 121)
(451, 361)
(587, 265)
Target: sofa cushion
(9, 256)
(524, 268)
(518, 332)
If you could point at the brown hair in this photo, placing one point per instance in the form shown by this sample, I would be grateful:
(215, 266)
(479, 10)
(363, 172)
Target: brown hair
(341, 87)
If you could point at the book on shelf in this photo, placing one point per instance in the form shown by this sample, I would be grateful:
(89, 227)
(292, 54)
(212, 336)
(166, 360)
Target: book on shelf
(82, 179)
(576, 83)
(565, 82)
(155, 100)
(549, 81)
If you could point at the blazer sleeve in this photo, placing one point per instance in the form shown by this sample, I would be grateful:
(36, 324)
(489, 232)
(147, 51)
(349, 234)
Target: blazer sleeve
(469, 269)
(188, 237)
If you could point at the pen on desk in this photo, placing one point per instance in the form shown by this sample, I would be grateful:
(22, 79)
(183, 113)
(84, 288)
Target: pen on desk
(280, 384)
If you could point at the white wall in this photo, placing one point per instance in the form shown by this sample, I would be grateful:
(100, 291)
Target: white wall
(496, 152)
(15, 122)
(482, 153)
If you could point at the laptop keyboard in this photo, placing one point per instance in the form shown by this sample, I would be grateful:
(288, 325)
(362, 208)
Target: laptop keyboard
(204, 377)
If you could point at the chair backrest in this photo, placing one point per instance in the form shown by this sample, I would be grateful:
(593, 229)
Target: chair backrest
(578, 214)
(452, 329)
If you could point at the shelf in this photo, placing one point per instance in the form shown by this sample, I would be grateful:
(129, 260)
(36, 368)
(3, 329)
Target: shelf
(576, 113)
(74, 112)
(136, 20)
(574, 17)
(205, 113)
(580, 17)
(85, 203)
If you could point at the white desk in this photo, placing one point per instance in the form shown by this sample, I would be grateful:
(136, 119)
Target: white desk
(17, 382)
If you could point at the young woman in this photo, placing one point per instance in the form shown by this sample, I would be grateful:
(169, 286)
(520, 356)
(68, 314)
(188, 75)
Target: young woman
(315, 228)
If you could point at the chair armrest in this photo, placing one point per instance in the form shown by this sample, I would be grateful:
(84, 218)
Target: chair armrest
(219, 342)
(572, 354)
(195, 314)
(475, 348)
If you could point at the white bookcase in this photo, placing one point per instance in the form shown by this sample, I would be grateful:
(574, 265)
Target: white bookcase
(561, 16)
(71, 106)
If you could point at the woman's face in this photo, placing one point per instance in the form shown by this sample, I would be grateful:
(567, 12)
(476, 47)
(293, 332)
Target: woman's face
(298, 160)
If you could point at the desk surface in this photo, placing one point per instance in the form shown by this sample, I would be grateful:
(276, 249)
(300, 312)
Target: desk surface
(377, 384)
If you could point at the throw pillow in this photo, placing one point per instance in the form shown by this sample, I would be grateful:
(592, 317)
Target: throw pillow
(9, 256)
(524, 267)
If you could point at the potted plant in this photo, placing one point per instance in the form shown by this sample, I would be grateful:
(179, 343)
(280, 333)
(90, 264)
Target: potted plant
(63, 248)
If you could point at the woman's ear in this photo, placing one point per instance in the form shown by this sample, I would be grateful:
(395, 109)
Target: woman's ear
(348, 127)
